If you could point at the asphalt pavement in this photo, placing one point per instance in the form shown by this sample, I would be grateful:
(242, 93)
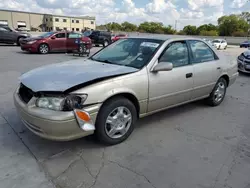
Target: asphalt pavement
(192, 146)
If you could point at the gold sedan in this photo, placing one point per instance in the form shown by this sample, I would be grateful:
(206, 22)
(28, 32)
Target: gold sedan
(129, 79)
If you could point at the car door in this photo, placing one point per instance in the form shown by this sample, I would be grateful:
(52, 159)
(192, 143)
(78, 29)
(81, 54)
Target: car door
(3, 33)
(73, 39)
(170, 88)
(58, 42)
(206, 68)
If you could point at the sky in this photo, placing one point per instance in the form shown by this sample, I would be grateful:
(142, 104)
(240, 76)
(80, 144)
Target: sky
(169, 12)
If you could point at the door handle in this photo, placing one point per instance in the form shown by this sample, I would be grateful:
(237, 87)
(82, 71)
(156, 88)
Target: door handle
(189, 75)
(218, 68)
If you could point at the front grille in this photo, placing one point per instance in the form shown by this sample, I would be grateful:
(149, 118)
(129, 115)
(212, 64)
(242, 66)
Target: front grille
(25, 93)
(247, 61)
(241, 58)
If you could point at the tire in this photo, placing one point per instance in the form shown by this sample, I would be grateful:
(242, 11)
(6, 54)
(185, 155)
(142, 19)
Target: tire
(43, 48)
(220, 88)
(218, 48)
(110, 111)
(225, 48)
(105, 43)
(18, 41)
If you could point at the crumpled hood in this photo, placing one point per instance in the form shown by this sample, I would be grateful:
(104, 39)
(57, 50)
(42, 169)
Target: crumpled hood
(63, 76)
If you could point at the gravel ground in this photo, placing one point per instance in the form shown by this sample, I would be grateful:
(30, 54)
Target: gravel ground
(192, 146)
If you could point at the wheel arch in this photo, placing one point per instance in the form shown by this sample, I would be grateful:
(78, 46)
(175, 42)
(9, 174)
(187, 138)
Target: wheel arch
(128, 96)
(226, 77)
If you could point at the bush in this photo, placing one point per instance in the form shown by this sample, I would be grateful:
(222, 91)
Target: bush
(209, 33)
(239, 34)
(181, 33)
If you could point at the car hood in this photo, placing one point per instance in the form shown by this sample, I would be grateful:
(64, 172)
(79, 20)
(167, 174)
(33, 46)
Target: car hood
(33, 38)
(64, 76)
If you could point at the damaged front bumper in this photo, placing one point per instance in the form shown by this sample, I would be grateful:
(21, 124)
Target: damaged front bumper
(57, 125)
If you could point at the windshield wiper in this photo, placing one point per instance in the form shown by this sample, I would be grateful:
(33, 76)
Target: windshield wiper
(103, 61)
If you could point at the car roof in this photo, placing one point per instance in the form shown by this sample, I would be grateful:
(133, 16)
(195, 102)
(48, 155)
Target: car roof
(165, 38)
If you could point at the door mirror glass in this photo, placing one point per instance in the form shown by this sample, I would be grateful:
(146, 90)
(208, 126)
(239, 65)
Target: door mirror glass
(163, 66)
(53, 37)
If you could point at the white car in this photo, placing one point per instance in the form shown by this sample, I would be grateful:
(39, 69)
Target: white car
(220, 44)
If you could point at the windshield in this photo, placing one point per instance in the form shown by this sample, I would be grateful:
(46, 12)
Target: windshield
(132, 52)
(45, 35)
(87, 33)
(216, 41)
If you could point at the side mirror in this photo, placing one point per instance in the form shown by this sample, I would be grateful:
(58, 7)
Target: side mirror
(53, 37)
(163, 66)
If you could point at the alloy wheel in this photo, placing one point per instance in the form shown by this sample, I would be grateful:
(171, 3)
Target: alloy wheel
(118, 122)
(44, 49)
(219, 92)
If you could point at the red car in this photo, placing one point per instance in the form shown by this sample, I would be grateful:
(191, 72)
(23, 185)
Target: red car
(55, 41)
(119, 36)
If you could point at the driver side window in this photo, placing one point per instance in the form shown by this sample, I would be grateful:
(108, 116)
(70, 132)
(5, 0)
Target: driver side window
(176, 53)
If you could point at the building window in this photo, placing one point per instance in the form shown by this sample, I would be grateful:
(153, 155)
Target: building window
(46, 19)
(77, 21)
(51, 19)
(77, 29)
(3, 22)
(21, 24)
(47, 29)
(57, 29)
(65, 28)
(92, 22)
(56, 19)
(73, 21)
(51, 28)
(73, 29)
(64, 20)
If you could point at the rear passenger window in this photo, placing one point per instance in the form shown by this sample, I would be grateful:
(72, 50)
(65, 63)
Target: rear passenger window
(176, 53)
(201, 52)
(74, 35)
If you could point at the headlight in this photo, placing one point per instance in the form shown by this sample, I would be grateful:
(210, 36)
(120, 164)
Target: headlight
(31, 42)
(62, 103)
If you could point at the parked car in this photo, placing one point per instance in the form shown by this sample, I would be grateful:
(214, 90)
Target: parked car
(244, 62)
(209, 42)
(220, 44)
(118, 36)
(127, 80)
(54, 41)
(11, 36)
(245, 44)
(100, 38)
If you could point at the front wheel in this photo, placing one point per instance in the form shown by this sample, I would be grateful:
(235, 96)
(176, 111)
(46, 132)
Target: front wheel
(218, 94)
(225, 48)
(115, 121)
(43, 49)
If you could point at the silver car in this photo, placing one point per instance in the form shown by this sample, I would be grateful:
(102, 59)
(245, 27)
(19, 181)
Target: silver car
(244, 62)
(129, 79)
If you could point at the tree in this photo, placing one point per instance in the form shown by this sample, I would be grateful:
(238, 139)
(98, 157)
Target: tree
(190, 30)
(206, 27)
(232, 23)
(126, 26)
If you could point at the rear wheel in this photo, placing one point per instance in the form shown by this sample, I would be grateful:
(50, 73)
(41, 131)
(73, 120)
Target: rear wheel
(218, 94)
(18, 41)
(115, 121)
(43, 49)
(105, 43)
